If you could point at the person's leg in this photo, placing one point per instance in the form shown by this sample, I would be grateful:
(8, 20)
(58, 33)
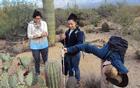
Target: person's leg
(99, 52)
(66, 64)
(75, 63)
(44, 53)
(36, 56)
(116, 61)
(71, 67)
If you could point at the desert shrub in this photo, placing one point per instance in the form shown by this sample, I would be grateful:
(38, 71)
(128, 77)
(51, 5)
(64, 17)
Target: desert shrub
(14, 17)
(105, 27)
(133, 30)
(61, 17)
(123, 16)
(106, 10)
(86, 16)
(120, 13)
(89, 28)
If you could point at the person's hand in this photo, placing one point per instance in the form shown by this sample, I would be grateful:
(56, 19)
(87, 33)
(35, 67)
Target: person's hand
(65, 50)
(44, 34)
(36, 36)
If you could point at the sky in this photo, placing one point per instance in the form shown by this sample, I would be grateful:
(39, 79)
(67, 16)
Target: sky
(80, 3)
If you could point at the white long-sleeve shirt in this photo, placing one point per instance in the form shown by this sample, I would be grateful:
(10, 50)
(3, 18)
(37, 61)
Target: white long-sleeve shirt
(34, 32)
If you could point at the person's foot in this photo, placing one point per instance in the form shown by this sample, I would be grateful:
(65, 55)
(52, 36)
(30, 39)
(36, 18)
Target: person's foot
(36, 77)
(78, 84)
(37, 74)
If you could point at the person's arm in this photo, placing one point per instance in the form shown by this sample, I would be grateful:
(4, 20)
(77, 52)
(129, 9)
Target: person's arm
(29, 33)
(45, 29)
(80, 37)
(99, 52)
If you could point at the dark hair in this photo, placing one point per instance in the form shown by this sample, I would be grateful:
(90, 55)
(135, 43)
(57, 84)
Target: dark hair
(73, 17)
(37, 13)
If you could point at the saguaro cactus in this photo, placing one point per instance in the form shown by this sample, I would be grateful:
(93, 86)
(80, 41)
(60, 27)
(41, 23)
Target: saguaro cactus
(49, 13)
(53, 74)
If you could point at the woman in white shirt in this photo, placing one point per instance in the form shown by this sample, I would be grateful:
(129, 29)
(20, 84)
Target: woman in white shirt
(37, 32)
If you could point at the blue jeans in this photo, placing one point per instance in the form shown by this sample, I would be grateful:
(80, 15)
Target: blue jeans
(71, 64)
(36, 55)
(103, 53)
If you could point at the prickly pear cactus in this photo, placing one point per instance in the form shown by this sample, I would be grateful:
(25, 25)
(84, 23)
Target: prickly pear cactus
(18, 73)
(53, 74)
(6, 65)
(29, 79)
(21, 86)
(5, 57)
(25, 61)
(4, 80)
(14, 63)
(13, 81)
(20, 76)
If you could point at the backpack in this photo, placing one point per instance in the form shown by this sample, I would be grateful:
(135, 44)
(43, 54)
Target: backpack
(118, 44)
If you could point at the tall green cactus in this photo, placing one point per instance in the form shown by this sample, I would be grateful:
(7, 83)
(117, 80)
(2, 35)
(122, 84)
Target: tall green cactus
(49, 13)
(53, 74)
